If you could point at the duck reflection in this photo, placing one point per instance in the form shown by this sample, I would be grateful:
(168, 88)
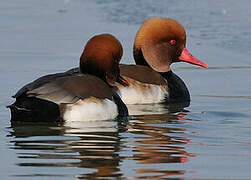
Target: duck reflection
(158, 142)
(161, 108)
(93, 146)
(98, 149)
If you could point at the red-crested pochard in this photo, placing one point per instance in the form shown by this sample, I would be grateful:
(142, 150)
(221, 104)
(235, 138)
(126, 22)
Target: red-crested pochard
(159, 43)
(81, 96)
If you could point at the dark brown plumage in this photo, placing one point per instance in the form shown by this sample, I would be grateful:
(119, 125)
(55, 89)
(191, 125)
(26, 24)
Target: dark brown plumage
(45, 98)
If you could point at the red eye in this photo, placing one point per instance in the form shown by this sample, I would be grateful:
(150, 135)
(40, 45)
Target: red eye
(172, 42)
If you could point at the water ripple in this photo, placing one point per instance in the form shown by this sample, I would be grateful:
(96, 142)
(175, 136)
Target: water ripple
(103, 145)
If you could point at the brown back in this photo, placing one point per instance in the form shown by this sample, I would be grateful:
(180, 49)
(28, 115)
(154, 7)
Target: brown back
(70, 89)
(142, 74)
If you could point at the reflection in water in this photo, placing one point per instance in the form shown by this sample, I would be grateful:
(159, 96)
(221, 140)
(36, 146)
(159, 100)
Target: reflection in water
(157, 143)
(93, 147)
(97, 149)
(98, 146)
(149, 109)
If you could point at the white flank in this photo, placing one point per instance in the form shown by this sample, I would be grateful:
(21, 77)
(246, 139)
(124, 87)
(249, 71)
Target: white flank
(140, 93)
(90, 109)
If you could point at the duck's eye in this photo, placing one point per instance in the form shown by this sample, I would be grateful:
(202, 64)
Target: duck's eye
(172, 42)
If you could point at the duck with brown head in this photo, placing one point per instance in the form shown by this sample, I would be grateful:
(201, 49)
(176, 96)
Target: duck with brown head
(81, 96)
(158, 43)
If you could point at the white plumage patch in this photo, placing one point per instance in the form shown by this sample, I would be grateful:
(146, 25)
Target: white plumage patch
(141, 93)
(90, 109)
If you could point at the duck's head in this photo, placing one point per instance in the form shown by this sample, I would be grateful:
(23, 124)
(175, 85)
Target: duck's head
(160, 42)
(101, 57)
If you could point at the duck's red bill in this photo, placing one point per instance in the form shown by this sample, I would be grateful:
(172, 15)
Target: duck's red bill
(186, 56)
(122, 81)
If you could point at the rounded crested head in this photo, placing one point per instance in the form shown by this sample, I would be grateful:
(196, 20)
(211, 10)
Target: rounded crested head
(159, 42)
(102, 49)
(158, 29)
(101, 57)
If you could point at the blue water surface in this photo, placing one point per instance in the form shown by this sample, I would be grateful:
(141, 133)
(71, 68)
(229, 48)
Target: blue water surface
(210, 139)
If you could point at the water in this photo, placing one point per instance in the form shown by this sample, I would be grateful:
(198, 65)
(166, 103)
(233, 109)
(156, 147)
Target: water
(209, 139)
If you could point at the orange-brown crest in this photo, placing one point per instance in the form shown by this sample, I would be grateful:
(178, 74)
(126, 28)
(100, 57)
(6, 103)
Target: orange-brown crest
(101, 57)
(159, 29)
(161, 41)
(103, 49)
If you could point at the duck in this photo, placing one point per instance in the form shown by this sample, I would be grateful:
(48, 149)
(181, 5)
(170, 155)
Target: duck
(84, 96)
(158, 44)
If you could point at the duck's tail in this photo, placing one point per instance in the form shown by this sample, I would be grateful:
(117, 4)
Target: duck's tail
(34, 110)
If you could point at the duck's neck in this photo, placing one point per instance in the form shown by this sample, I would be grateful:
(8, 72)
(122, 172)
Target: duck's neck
(91, 68)
(138, 57)
(178, 92)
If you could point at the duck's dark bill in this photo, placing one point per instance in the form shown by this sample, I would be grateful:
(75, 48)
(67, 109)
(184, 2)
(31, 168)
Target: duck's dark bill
(186, 56)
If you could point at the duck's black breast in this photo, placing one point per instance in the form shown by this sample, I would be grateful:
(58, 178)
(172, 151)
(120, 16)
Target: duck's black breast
(178, 92)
